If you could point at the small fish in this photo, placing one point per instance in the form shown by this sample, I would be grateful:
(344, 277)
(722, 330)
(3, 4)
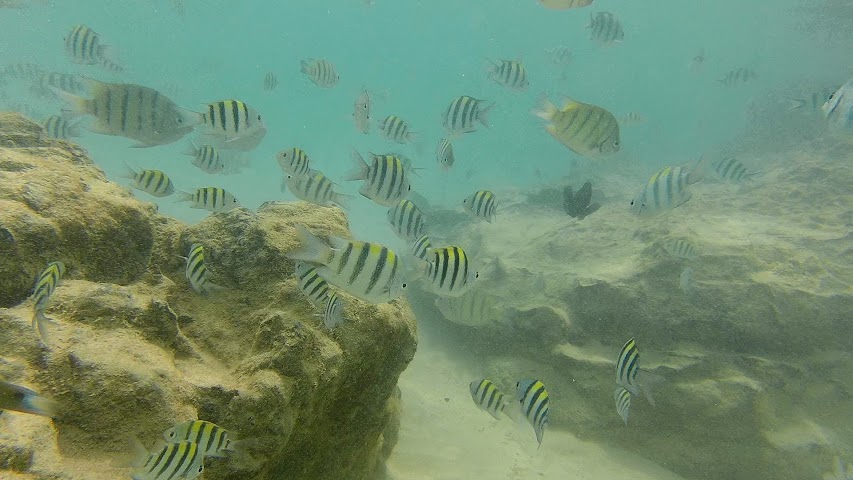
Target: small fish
(731, 169)
(332, 314)
(321, 72)
(206, 158)
(368, 271)
(487, 397)
(533, 397)
(421, 247)
(623, 403)
(20, 399)
(463, 113)
(667, 189)
(697, 63)
(170, 461)
(386, 179)
(214, 199)
(110, 65)
(738, 77)
(58, 127)
(407, 220)
(270, 81)
(293, 161)
(564, 4)
(448, 271)
(196, 271)
(84, 46)
(24, 71)
(560, 56)
(685, 281)
(234, 123)
(152, 182)
(361, 113)
(838, 109)
(311, 283)
(45, 286)
(628, 373)
(444, 154)
(212, 440)
(605, 28)
(509, 73)
(397, 130)
(63, 81)
(680, 248)
(473, 309)
(482, 204)
(316, 188)
(586, 129)
(813, 101)
(632, 118)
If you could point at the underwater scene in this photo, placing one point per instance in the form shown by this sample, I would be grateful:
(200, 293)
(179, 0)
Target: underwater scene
(426, 240)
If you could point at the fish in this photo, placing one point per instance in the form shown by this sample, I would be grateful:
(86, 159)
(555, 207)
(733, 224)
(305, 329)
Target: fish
(509, 73)
(196, 271)
(316, 188)
(83, 45)
(293, 161)
(20, 399)
(813, 101)
(838, 108)
(169, 461)
(421, 247)
(697, 63)
(444, 154)
(448, 271)
(667, 189)
(212, 440)
(110, 65)
(488, 397)
(534, 400)
(632, 118)
(368, 271)
(214, 199)
(564, 4)
(628, 373)
(332, 313)
(407, 220)
(397, 130)
(63, 81)
(152, 182)
(738, 76)
(206, 158)
(321, 72)
(473, 309)
(731, 169)
(311, 283)
(482, 204)
(270, 81)
(361, 112)
(234, 123)
(623, 403)
(840, 471)
(685, 281)
(680, 248)
(132, 111)
(605, 28)
(586, 129)
(46, 284)
(560, 56)
(386, 179)
(24, 71)
(56, 126)
(463, 114)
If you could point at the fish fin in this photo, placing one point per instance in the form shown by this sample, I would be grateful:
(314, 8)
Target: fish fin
(416, 268)
(76, 104)
(796, 104)
(181, 196)
(495, 415)
(32, 402)
(311, 248)
(305, 67)
(359, 172)
(341, 200)
(129, 172)
(40, 322)
(135, 459)
(648, 381)
(483, 117)
(284, 183)
(697, 172)
(191, 149)
(546, 109)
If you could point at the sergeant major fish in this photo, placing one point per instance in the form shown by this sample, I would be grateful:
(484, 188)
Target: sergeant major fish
(475, 308)
(623, 403)
(385, 179)
(361, 113)
(316, 188)
(58, 127)
(482, 204)
(293, 161)
(667, 189)
(20, 399)
(488, 397)
(169, 461)
(332, 313)
(738, 76)
(731, 169)
(212, 440)
(509, 73)
(196, 271)
(152, 182)
(321, 72)
(444, 154)
(214, 199)
(534, 400)
(311, 283)
(83, 45)
(605, 28)
(463, 114)
(628, 373)
(270, 81)
(397, 130)
(407, 220)
(421, 247)
(586, 129)
(449, 271)
(838, 109)
(206, 158)
(234, 124)
(47, 282)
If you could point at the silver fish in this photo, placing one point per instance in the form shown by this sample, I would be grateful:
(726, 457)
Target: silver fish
(361, 112)
(534, 400)
(838, 109)
(214, 199)
(488, 397)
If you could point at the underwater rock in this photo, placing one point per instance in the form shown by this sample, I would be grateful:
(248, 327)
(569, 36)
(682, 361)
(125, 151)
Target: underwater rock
(134, 350)
(577, 205)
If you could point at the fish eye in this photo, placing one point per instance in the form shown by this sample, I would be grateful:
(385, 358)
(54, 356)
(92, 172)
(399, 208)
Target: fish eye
(179, 120)
(404, 285)
(200, 468)
(476, 274)
(171, 434)
(259, 118)
(632, 203)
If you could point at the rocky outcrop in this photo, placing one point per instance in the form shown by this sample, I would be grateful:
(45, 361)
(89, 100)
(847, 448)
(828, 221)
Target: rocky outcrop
(134, 350)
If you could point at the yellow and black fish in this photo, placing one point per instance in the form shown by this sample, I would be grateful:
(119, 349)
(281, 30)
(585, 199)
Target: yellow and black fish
(407, 220)
(321, 72)
(152, 182)
(482, 204)
(45, 286)
(196, 271)
(293, 161)
(487, 397)
(214, 199)
(586, 129)
(449, 272)
(212, 440)
(534, 400)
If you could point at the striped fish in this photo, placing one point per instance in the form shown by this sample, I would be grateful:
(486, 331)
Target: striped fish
(63, 81)
(206, 158)
(487, 397)
(509, 73)
(407, 220)
(361, 112)
(132, 111)
(564, 4)
(680, 248)
(473, 309)
(234, 123)
(386, 179)
(463, 113)
(196, 271)
(731, 169)
(152, 182)
(171, 461)
(270, 81)
(533, 397)
(585, 129)
(24, 71)
(332, 313)
(57, 126)
(45, 286)
(444, 154)
(623, 403)
(396, 129)
(560, 56)
(20, 399)
(317, 189)
(214, 199)
(448, 271)
(628, 373)
(212, 440)
(632, 118)
(667, 189)
(311, 283)
(293, 161)
(321, 72)
(421, 247)
(738, 77)
(813, 101)
(482, 204)
(368, 271)
(606, 28)
(83, 45)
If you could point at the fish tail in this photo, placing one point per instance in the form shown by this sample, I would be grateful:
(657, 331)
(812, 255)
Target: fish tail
(648, 381)
(181, 196)
(74, 130)
(38, 405)
(75, 104)
(483, 117)
(341, 200)
(311, 248)
(546, 110)
(191, 149)
(361, 167)
(697, 172)
(129, 172)
(40, 322)
(304, 67)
